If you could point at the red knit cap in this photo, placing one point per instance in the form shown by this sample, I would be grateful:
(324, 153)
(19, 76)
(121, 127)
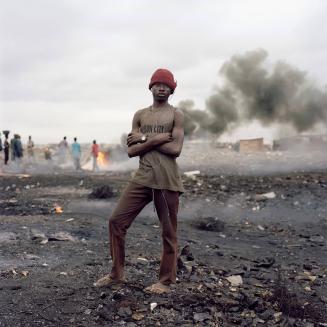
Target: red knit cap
(163, 76)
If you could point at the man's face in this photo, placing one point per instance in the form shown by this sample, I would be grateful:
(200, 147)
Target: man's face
(161, 92)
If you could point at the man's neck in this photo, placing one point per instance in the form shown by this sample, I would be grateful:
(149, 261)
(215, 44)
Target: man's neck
(159, 104)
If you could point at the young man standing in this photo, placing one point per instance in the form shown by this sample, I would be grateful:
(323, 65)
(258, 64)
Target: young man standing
(157, 138)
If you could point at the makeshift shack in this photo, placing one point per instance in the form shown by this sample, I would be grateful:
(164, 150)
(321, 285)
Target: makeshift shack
(251, 145)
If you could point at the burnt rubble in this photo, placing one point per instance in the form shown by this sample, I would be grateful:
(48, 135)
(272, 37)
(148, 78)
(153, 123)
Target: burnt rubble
(244, 260)
(102, 192)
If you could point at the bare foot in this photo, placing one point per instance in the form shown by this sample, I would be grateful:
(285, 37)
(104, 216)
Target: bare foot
(157, 288)
(107, 280)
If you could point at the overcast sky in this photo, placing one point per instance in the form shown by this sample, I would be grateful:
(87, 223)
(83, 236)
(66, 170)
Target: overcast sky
(82, 68)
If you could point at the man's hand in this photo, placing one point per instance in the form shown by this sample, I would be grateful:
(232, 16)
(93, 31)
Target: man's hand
(163, 138)
(174, 147)
(134, 138)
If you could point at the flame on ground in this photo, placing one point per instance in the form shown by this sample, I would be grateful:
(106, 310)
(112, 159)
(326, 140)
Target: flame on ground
(102, 159)
(58, 209)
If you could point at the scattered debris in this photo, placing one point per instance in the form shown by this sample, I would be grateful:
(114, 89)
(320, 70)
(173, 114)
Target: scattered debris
(317, 239)
(210, 224)
(62, 236)
(102, 192)
(8, 237)
(265, 262)
(41, 238)
(186, 250)
(192, 174)
(235, 280)
(202, 316)
(87, 311)
(265, 196)
(38, 236)
(261, 227)
(225, 278)
(153, 306)
(291, 305)
(138, 316)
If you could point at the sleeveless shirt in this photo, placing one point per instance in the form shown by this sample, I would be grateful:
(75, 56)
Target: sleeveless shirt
(158, 170)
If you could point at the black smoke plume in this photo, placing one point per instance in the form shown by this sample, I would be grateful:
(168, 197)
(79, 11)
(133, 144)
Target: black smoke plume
(221, 111)
(253, 90)
(194, 119)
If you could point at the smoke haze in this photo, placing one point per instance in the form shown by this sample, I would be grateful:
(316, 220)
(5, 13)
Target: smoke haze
(253, 90)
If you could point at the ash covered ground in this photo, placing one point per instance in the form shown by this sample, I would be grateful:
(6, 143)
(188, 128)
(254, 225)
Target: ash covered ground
(252, 237)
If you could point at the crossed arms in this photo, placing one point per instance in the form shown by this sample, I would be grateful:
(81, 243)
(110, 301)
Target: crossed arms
(169, 144)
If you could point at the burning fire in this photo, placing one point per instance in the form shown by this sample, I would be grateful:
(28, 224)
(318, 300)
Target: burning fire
(102, 158)
(58, 209)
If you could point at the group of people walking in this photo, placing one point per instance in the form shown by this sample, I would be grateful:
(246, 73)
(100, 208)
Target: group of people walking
(76, 153)
(13, 150)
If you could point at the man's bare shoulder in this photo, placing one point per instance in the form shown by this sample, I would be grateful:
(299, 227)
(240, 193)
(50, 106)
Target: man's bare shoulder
(179, 115)
(178, 112)
(141, 111)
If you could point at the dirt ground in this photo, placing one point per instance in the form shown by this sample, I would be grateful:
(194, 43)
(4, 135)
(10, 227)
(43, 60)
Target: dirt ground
(253, 252)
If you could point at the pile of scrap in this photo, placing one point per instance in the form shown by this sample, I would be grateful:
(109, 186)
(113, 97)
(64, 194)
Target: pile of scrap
(300, 142)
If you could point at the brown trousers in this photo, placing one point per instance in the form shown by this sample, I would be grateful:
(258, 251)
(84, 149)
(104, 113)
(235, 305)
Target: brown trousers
(134, 198)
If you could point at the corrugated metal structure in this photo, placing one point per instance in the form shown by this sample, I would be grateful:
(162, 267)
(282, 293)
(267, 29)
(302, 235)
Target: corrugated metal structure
(251, 145)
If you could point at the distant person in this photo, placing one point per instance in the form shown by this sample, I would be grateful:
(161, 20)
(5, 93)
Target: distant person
(76, 154)
(6, 147)
(18, 148)
(157, 139)
(62, 150)
(12, 148)
(95, 153)
(47, 154)
(30, 149)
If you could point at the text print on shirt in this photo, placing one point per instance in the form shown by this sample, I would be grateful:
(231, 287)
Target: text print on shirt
(149, 129)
